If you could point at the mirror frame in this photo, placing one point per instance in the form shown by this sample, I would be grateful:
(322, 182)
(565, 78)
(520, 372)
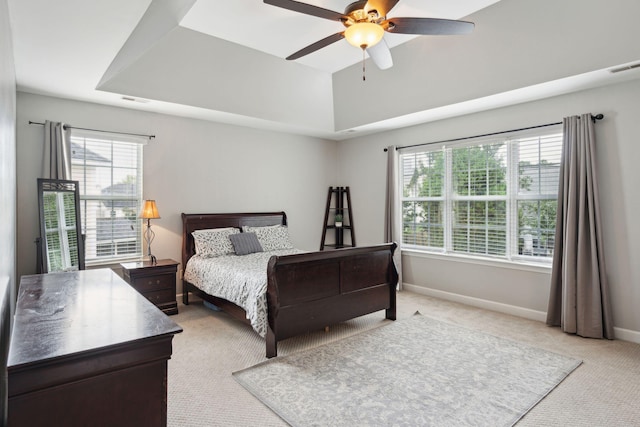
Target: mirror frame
(66, 186)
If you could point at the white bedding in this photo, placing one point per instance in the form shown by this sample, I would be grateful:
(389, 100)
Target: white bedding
(239, 279)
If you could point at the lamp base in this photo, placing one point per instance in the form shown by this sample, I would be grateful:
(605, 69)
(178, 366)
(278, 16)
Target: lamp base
(148, 236)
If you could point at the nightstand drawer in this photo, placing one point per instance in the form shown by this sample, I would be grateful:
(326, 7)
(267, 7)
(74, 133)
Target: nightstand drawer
(154, 282)
(160, 297)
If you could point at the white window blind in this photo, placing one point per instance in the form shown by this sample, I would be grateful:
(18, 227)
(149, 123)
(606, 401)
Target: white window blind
(494, 198)
(423, 199)
(537, 194)
(109, 171)
(479, 199)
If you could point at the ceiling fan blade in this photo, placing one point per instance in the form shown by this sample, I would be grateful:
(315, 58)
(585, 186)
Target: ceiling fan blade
(381, 55)
(427, 26)
(316, 46)
(307, 9)
(382, 6)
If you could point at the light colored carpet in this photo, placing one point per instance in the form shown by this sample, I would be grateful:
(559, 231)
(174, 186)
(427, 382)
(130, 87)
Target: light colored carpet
(604, 391)
(416, 371)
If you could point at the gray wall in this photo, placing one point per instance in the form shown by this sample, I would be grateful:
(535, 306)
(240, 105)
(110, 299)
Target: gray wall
(191, 166)
(522, 291)
(7, 154)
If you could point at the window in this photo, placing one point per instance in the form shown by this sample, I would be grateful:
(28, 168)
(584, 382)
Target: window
(494, 198)
(109, 171)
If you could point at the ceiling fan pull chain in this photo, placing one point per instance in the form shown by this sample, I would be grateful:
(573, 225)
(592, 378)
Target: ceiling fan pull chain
(363, 70)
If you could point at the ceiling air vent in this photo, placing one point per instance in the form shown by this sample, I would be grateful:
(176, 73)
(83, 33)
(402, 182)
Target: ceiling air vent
(132, 99)
(625, 68)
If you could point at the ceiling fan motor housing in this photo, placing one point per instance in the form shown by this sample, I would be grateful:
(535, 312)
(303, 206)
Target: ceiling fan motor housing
(355, 6)
(355, 13)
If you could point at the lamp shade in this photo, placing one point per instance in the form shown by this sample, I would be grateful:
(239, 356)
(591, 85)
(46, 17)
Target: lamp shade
(364, 34)
(150, 210)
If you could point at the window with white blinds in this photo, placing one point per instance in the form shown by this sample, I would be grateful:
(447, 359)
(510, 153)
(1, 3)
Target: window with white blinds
(491, 198)
(109, 171)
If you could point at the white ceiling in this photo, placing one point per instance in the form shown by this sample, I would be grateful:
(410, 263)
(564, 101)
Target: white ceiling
(67, 48)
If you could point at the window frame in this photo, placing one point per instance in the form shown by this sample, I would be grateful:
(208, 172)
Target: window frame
(512, 197)
(114, 140)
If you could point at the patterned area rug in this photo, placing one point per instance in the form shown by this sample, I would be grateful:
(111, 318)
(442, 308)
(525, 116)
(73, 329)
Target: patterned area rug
(417, 371)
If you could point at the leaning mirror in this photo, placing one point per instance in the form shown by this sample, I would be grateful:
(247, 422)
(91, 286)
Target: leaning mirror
(61, 243)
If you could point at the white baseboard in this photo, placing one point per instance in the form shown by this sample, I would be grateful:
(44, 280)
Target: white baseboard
(540, 316)
(192, 297)
(514, 310)
(626, 335)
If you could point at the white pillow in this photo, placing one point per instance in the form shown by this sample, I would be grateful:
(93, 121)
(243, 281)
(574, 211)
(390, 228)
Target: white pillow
(272, 237)
(214, 241)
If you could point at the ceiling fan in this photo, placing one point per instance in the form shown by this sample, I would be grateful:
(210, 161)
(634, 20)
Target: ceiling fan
(366, 22)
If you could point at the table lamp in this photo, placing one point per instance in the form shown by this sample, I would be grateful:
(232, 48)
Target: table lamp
(149, 212)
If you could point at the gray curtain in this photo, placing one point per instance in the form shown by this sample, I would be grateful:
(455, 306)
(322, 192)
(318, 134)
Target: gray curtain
(57, 151)
(392, 218)
(579, 300)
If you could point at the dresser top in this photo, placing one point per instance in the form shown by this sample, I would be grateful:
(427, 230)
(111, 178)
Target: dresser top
(59, 314)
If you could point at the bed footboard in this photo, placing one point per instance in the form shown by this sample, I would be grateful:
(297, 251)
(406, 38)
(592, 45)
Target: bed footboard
(308, 291)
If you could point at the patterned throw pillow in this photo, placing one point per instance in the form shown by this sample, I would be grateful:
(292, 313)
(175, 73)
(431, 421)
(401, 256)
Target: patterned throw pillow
(245, 243)
(271, 238)
(214, 242)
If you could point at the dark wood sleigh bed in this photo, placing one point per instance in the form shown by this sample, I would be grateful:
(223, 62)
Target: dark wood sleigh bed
(307, 291)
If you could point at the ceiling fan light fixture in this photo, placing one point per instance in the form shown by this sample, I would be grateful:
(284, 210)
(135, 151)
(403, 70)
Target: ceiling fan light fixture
(364, 34)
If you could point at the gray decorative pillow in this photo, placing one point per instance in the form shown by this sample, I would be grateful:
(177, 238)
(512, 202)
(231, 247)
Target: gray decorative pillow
(245, 243)
(214, 241)
(271, 237)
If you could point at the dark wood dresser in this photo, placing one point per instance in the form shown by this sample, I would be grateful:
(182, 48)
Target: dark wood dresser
(87, 350)
(157, 282)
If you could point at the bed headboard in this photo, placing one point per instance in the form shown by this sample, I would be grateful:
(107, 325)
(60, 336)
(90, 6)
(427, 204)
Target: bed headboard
(192, 222)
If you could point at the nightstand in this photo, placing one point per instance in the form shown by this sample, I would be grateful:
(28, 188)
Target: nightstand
(157, 282)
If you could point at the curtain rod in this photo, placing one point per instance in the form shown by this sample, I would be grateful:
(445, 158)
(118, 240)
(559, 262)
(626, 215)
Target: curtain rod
(593, 118)
(97, 130)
